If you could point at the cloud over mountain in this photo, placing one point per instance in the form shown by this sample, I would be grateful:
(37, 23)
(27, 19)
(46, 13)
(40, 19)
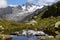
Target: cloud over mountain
(3, 3)
(44, 2)
(50, 0)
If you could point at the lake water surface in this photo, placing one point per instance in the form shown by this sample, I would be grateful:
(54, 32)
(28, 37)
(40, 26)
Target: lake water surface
(24, 38)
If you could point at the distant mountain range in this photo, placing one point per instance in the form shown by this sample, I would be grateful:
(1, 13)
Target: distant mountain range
(20, 13)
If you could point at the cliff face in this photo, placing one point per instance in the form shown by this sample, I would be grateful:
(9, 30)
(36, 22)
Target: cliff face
(4, 11)
(8, 11)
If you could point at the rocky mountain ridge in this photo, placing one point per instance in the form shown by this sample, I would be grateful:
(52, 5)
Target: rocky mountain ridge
(18, 13)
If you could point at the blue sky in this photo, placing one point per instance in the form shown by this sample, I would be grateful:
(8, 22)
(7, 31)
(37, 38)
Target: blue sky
(20, 2)
(5, 3)
(16, 2)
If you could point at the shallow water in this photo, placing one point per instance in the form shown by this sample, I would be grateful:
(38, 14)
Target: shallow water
(24, 38)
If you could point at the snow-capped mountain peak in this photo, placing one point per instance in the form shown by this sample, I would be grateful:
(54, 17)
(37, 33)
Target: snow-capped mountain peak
(18, 13)
(30, 7)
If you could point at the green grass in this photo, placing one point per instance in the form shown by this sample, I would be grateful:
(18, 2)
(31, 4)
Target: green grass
(50, 39)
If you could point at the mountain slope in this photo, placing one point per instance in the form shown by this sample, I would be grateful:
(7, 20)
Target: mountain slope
(18, 13)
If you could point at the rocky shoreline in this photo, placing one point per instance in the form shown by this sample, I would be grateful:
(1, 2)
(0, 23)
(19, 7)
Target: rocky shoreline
(41, 35)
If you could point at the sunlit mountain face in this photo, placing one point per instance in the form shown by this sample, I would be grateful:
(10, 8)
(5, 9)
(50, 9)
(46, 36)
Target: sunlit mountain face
(30, 7)
(18, 13)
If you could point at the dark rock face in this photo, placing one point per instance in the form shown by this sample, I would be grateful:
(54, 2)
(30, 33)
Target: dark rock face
(9, 10)
(4, 11)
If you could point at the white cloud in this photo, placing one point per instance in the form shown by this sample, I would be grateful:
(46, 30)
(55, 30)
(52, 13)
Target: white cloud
(13, 5)
(3, 3)
(50, 0)
(43, 2)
